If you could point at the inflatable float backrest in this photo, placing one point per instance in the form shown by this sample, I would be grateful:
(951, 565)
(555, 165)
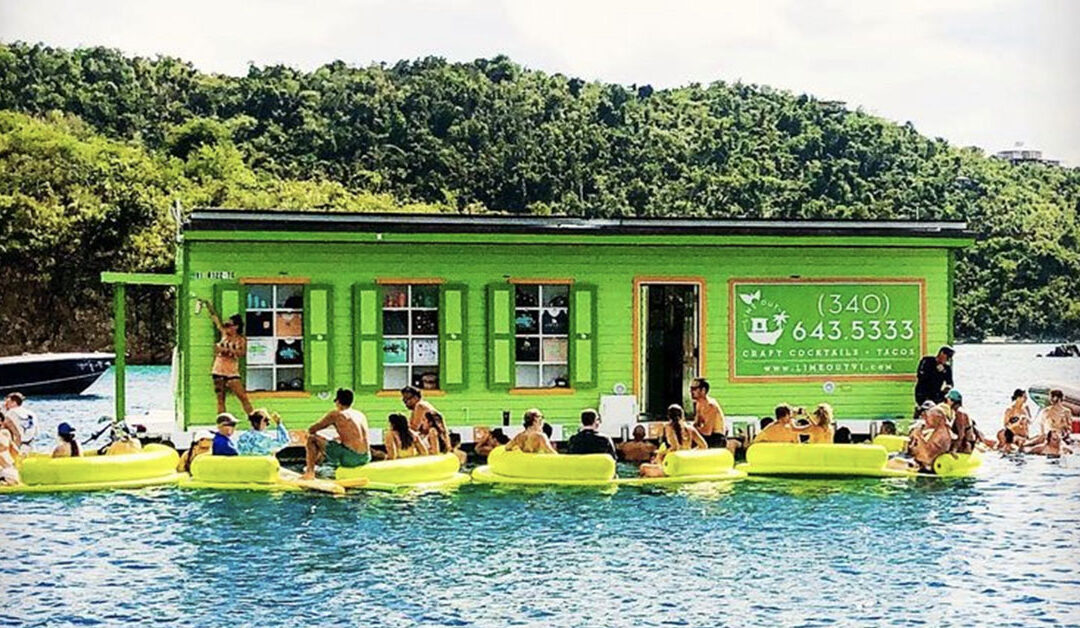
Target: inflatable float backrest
(685, 462)
(891, 442)
(153, 461)
(415, 470)
(824, 456)
(516, 464)
(235, 469)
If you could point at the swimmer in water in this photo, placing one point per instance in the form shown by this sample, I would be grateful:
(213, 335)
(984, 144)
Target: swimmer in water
(1014, 435)
(781, 430)
(1056, 417)
(638, 449)
(532, 440)
(1018, 408)
(1053, 447)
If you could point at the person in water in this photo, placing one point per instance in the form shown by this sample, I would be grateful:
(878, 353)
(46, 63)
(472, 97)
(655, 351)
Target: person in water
(229, 349)
(455, 448)
(821, 424)
(22, 420)
(588, 439)
(68, 447)
(401, 440)
(637, 450)
(931, 441)
(1015, 434)
(485, 440)
(781, 429)
(418, 408)
(1017, 408)
(532, 440)
(202, 442)
(352, 447)
(933, 375)
(677, 436)
(888, 427)
(225, 437)
(1053, 447)
(708, 415)
(9, 457)
(438, 436)
(963, 428)
(1056, 417)
(259, 440)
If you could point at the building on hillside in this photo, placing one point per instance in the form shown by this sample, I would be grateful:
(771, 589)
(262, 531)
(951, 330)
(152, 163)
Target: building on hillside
(1024, 155)
(491, 315)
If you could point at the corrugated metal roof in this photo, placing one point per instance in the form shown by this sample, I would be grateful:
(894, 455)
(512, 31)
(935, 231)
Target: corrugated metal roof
(249, 220)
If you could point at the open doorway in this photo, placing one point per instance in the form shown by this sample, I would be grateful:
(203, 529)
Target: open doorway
(669, 332)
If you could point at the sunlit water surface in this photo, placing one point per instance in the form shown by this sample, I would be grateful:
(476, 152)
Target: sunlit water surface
(999, 549)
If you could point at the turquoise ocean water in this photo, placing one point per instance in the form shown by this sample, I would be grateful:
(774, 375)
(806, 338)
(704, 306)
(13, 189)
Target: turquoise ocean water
(1000, 549)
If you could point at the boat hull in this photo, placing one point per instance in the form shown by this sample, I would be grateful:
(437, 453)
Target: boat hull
(52, 374)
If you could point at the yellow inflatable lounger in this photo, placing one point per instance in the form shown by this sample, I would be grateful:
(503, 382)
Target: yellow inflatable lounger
(515, 467)
(791, 459)
(892, 443)
(958, 465)
(417, 472)
(255, 473)
(154, 465)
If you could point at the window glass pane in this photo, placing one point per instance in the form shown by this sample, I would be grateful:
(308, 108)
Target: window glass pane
(528, 349)
(290, 297)
(395, 377)
(426, 377)
(425, 351)
(425, 323)
(526, 321)
(556, 296)
(395, 351)
(556, 321)
(425, 296)
(260, 379)
(289, 324)
(290, 379)
(526, 295)
(555, 375)
(395, 296)
(528, 376)
(259, 324)
(554, 349)
(258, 298)
(260, 351)
(395, 323)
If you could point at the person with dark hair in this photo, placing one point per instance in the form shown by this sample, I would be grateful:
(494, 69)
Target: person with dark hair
(1056, 417)
(888, 427)
(202, 442)
(401, 441)
(842, 436)
(418, 408)
(228, 350)
(259, 441)
(677, 436)
(68, 446)
(532, 440)
(963, 427)
(780, 430)
(224, 441)
(708, 415)
(1017, 408)
(437, 436)
(638, 449)
(933, 375)
(352, 447)
(20, 420)
(1053, 447)
(588, 439)
(455, 448)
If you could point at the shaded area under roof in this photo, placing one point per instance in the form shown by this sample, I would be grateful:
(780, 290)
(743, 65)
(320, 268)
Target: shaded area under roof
(261, 220)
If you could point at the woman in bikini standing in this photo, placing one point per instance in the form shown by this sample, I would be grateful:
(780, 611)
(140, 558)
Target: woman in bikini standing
(227, 353)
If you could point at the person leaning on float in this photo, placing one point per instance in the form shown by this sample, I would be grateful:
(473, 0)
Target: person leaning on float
(401, 440)
(677, 436)
(637, 449)
(930, 439)
(532, 440)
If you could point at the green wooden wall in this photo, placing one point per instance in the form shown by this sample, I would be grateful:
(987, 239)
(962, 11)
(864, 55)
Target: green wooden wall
(611, 268)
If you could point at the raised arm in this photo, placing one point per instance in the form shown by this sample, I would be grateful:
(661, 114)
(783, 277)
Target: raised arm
(213, 315)
(329, 419)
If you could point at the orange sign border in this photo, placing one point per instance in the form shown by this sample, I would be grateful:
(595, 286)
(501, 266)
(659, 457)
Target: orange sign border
(748, 379)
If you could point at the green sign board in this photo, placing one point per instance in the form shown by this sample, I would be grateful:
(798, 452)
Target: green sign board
(824, 330)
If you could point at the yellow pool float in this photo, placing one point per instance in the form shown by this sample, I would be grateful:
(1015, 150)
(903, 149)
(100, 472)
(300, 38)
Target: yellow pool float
(842, 460)
(680, 467)
(892, 443)
(153, 466)
(252, 473)
(416, 473)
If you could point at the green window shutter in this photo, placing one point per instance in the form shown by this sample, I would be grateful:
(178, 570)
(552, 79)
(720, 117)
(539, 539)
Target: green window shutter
(367, 323)
(318, 335)
(229, 300)
(452, 337)
(583, 336)
(500, 306)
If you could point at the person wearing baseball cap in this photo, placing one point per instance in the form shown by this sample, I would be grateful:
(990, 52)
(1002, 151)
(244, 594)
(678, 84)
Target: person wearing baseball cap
(224, 438)
(69, 446)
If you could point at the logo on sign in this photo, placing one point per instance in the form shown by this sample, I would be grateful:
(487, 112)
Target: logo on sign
(763, 320)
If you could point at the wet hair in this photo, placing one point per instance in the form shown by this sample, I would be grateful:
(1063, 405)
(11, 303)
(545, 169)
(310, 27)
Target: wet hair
(1053, 433)
(823, 414)
(400, 424)
(500, 436)
(1019, 392)
(532, 415)
(455, 439)
(412, 391)
(766, 421)
(641, 429)
(782, 410)
(344, 396)
(1054, 392)
(842, 436)
(888, 427)
(70, 439)
(18, 398)
(947, 350)
(547, 430)
(1008, 436)
(258, 416)
(437, 423)
(700, 382)
(589, 417)
(238, 321)
(676, 415)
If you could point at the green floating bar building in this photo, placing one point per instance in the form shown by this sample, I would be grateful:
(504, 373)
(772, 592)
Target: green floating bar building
(495, 314)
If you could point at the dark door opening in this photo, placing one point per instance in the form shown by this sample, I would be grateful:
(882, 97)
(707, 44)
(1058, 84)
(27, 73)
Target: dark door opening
(669, 320)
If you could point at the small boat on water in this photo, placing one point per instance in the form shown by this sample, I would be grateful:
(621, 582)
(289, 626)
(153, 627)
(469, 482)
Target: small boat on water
(52, 373)
(1040, 393)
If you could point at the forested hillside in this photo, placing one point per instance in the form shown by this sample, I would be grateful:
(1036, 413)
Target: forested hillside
(95, 147)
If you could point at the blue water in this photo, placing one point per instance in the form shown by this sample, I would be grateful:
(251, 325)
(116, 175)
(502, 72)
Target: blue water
(998, 549)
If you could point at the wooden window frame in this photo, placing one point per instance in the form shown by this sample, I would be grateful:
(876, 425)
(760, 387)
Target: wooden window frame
(540, 282)
(246, 282)
(411, 281)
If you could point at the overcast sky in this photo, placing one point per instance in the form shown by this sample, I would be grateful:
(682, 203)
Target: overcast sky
(984, 72)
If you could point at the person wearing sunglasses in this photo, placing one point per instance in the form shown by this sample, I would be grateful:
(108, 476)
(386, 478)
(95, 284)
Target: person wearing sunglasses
(259, 440)
(229, 349)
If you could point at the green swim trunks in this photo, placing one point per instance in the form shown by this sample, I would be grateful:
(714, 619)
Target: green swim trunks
(341, 456)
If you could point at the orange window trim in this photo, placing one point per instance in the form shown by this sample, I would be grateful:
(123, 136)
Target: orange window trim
(279, 394)
(418, 281)
(275, 280)
(703, 320)
(539, 392)
(554, 281)
(390, 392)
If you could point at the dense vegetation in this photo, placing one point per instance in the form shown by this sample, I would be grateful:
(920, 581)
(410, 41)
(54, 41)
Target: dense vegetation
(95, 148)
